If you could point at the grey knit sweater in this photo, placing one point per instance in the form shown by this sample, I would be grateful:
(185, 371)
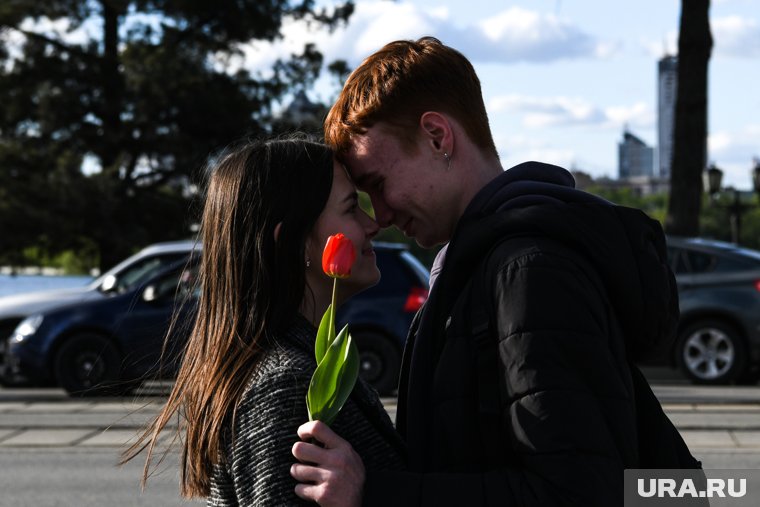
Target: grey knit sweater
(256, 469)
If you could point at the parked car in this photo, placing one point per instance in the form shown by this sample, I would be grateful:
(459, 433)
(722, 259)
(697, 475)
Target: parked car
(719, 292)
(107, 337)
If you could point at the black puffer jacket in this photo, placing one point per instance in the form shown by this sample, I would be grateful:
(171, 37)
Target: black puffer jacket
(575, 289)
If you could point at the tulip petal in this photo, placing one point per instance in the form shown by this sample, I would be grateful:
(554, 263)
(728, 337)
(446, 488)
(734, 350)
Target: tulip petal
(338, 256)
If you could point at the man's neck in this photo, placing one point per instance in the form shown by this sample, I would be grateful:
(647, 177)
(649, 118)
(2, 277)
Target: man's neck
(480, 171)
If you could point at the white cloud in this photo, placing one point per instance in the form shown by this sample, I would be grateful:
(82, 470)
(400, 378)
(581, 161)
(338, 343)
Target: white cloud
(608, 49)
(514, 150)
(512, 35)
(719, 142)
(638, 115)
(736, 36)
(733, 152)
(736, 145)
(658, 48)
(518, 34)
(541, 112)
(733, 36)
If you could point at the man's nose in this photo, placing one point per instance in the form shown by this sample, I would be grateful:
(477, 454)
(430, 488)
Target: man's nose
(383, 213)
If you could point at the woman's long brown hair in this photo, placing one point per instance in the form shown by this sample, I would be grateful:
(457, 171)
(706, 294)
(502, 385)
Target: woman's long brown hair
(250, 287)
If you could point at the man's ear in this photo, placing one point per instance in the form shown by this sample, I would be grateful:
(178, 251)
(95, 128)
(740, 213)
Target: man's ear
(277, 231)
(437, 128)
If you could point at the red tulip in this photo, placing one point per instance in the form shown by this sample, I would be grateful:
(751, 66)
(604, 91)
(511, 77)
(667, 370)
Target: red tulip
(338, 257)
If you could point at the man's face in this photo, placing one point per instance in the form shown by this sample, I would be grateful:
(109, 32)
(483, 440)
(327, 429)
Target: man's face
(411, 189)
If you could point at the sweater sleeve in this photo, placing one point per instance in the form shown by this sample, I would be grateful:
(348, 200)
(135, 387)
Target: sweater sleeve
(563, 398)
(265, 429)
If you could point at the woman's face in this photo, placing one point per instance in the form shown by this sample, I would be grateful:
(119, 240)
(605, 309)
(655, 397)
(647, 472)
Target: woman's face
(342, 214)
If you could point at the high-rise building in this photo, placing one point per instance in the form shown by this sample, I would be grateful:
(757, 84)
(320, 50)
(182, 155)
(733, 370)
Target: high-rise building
(666, 112)
(635, 158)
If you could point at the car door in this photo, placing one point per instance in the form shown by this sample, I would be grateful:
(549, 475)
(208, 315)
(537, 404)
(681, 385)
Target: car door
(166, 301)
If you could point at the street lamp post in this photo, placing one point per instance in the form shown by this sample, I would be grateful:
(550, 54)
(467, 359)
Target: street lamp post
(735, 208)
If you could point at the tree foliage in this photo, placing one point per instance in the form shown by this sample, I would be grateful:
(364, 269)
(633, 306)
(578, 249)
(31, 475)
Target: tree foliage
(140, 91)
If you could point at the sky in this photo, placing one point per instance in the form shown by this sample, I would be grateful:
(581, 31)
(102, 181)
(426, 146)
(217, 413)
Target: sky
(562, 79)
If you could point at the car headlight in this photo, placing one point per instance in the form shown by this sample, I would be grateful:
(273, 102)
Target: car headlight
(26, 328)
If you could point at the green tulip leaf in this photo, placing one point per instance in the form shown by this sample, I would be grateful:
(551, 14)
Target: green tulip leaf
(346, 381)
(325, 378)
(323, 334)
(334, 379)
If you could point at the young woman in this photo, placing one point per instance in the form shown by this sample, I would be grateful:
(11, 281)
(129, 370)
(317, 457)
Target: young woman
(241, 390)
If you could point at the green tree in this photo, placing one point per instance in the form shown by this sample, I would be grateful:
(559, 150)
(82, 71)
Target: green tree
(690, 131)
(144, 98)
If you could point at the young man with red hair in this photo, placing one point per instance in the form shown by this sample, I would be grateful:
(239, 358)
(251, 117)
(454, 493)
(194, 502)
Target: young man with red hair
(518, 385)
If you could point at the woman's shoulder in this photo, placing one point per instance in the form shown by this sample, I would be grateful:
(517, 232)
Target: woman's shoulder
(281, 358)
(286, 360)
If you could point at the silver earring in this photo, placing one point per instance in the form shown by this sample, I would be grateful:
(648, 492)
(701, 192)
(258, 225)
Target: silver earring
(448, 159)
(308, 263)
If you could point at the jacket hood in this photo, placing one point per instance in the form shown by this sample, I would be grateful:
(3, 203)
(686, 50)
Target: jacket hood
(624, 245)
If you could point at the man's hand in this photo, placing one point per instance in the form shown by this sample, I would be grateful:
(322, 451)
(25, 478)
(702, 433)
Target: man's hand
(333, 475)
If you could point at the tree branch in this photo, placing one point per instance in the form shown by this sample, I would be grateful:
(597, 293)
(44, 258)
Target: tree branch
(60, 45)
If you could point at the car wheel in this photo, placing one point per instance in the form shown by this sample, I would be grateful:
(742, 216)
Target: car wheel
(379, 360)
(88, 365)
(711, 352)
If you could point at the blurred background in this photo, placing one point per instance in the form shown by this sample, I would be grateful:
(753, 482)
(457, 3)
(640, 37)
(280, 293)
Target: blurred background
(111, 109)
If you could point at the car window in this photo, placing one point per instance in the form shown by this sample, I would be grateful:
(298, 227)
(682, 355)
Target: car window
(684, 261)
(178, 284)
(188, 285)
(394, 276)
(422, 273)
(732, 264)
(700, 262)
(144, 269)
(677, 261)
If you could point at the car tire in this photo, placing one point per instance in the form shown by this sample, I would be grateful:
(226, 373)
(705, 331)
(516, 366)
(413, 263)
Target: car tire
(711, 352)
(89, 365)
(379, 360)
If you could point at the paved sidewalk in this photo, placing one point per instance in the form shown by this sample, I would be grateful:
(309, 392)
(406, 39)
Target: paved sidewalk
(712, 419)
(75, 423)
(116, 423)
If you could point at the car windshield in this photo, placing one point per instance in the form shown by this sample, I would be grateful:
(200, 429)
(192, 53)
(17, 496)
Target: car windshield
(752, 254)
(137, 271)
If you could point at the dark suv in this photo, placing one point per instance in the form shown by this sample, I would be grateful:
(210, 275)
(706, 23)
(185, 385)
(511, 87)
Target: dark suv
(719, 292)
(108, 336)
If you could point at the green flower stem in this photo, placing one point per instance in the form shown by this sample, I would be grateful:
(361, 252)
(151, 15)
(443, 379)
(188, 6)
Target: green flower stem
(331, 334)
